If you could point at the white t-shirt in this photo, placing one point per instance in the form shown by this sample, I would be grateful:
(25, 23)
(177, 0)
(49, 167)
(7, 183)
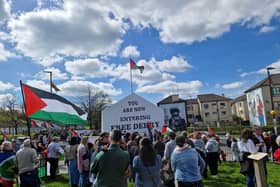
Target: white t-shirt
(247, 146)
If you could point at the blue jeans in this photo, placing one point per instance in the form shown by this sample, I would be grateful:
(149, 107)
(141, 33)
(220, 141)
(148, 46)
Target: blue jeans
(28, 179)
(250, 180)
(84, 179)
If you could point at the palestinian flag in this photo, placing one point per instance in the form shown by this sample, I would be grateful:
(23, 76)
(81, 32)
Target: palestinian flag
(47, 106)
(134, 66)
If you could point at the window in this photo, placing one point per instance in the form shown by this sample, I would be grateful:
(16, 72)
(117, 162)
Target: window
(214, 113)
(190, 116)
(224, 113)
(207, 114)
(222, 105)
(276, 91)
(206, 106)
(240, 104)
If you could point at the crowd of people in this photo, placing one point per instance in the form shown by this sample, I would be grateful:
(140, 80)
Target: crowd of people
(114, 159)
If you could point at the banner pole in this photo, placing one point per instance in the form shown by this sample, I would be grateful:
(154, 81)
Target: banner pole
(27, 119)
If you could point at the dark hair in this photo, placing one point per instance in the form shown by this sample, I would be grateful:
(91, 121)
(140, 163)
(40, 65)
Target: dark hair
(73, 140)
(172, 135)
(116, 135)
(147, 153)
(180, 141)
(246, 134)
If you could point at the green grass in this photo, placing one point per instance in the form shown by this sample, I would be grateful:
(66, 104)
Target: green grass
(60, 181)
(228, 176)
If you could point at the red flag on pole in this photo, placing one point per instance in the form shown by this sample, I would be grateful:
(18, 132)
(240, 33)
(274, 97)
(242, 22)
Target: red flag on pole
(211, 131)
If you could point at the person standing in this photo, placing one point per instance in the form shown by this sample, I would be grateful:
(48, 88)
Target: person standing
(111, 166)
(7, 165)
(71, 159)
(27, 162)
(159, 145)
(147, 165)
(212, 155)
(170, 146)
(246, 147)
(187, 164)
(234, 149)
(53, 156)
(200, 148)
(83, 162)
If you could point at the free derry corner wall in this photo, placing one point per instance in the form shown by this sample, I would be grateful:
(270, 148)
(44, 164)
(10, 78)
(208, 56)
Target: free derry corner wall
(132, 114)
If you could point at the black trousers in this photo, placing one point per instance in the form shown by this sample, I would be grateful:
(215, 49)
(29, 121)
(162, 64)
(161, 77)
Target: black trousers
(53, 166)
(212, 160)
(29, 179)
(190, 184)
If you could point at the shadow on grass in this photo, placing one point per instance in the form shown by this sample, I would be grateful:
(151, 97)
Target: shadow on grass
(59, 181)
(228, 176)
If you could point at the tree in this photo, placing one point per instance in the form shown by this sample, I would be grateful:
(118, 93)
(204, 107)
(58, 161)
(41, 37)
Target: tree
(94, 105)
(13, 113)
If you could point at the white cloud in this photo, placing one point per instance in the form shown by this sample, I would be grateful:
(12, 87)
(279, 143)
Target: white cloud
(130, 51)
(6, 86)
(4, 98)
(182, 21)
(172, 87)
(232, 85)
(275, 65)
(49, 60)
(151, 73)
(78, 28)
(56, 74)
(266, 29)
(39, 84)
(175, 64)
(80, 88)
(91, 67)
(155, 71)
(4, 10)
(4, 54)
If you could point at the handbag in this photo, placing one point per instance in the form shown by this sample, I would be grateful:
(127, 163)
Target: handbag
(246, 164)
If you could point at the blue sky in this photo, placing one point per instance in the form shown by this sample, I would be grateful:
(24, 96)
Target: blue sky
(186, 47)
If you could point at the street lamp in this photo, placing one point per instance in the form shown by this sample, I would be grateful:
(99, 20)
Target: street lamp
(273, 113)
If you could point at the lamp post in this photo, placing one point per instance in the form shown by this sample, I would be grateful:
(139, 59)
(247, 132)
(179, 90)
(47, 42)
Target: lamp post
(273, 113)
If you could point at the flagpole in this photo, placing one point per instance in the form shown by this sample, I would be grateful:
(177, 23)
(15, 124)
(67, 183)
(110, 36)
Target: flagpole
(27, 118)
(50, 72)
(131, 81)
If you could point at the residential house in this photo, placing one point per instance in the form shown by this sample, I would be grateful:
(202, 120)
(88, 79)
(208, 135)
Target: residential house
(259, 100)
(193, 111)
(214, 109)
(239, 108)
(173, 106)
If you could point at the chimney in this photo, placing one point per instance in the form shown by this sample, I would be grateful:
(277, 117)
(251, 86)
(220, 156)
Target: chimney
(223, 94)
(175, 97)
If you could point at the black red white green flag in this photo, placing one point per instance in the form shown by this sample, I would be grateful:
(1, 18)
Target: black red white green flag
(47, 106)
(133, 65)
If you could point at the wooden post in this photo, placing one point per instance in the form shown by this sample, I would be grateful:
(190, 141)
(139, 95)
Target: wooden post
(259, 168)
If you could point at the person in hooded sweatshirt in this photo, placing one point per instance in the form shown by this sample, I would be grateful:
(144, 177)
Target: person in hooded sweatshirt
(212, 155)
(187, 164)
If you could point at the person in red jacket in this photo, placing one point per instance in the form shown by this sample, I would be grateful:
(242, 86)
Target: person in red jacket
(277, 152)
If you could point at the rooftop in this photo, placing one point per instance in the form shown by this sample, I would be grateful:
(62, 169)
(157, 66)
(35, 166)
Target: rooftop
(240, 98)
(191, 101)
(275, 80)
(171, 99)
(212, 98)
